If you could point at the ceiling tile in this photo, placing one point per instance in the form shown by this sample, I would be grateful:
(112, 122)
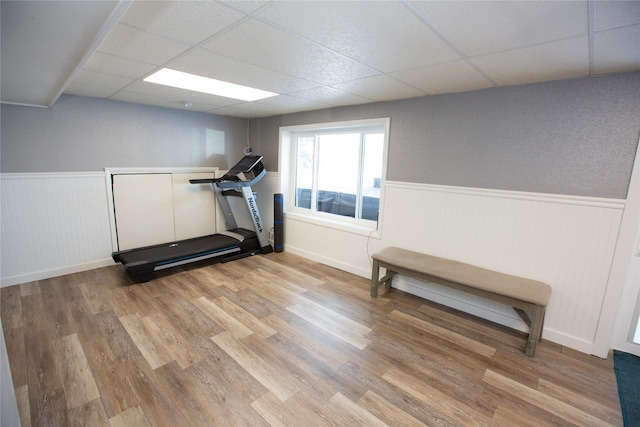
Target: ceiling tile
(330, 96)
(354, 30)
(617, 50)
(258, 43)
(185, 21)
(208, 64)
(110, 81)
(492, 26)
(549, 61)
(615, 14)
(131, 43)
(158, 101)
(282, 104)
(380, 88)
(293, 103)
(246, 6)
(251, 110)
(456, 76)
(79, 89)
(109, 64)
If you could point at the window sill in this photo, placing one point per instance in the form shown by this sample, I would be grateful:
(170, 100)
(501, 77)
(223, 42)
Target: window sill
(362, 230)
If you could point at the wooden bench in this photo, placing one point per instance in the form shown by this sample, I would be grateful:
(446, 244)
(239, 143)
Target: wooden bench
(528, 297)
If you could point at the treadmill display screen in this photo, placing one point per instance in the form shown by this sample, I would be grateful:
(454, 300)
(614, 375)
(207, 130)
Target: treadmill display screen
(245, 165)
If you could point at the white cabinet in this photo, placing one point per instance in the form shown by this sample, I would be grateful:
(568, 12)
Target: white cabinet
(151, 207)
(144, 209)
(194, 206)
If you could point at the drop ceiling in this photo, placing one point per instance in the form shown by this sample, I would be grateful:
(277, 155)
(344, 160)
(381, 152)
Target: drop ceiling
(314, 54)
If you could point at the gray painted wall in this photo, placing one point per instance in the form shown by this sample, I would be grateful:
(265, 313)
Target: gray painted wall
(573, 137)
(88, 134)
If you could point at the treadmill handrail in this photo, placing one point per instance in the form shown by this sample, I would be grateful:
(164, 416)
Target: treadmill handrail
(240, 184)
(204, 180)
(229, 184)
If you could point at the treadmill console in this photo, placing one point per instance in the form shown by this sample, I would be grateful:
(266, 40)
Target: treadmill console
(246, 165)
(246, 172)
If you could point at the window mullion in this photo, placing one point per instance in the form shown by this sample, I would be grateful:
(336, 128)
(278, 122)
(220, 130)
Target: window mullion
(316, 162)
(359, 190)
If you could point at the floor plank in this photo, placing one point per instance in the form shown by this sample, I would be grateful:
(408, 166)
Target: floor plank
(77, 379)
(386, 411)
(257, 367)
(442, 405)
(357, 415)
(89, 414)
(151, 348)
(220, 316)
(542, 400)
(116, 391)
(284, 414)
(462, 341)
(332, 322)
(131, 417)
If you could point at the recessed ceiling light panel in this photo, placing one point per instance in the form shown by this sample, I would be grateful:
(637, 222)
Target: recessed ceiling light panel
(179, 79)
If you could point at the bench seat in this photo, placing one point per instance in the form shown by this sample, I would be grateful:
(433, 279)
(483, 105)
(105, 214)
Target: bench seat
(528, 297)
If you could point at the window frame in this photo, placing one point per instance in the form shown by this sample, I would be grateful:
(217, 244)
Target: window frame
(287, 158)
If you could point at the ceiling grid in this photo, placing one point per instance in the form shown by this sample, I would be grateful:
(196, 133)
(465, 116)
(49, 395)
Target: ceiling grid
(314, 54)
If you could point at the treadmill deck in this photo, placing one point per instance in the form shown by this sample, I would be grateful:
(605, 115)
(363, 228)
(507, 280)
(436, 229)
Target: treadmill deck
(175, 251)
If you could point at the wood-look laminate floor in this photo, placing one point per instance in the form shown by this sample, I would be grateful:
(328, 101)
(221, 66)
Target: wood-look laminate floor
(279, 340)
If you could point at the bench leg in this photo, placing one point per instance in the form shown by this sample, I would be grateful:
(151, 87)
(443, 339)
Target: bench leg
(376, 281)
(535, 330)
(387, 279)
(375, 275)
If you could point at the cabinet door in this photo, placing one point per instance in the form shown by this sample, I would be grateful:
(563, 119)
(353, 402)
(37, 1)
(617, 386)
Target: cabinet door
(193, 206)
(143, 209)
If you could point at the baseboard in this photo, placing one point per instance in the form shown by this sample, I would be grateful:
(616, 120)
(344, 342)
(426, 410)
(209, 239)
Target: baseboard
(47, 274)
(572, 342)
(329, 261)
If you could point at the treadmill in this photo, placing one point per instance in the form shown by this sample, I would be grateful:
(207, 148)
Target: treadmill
(232, 244)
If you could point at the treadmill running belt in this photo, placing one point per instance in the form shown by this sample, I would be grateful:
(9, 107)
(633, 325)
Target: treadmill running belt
(175, 251)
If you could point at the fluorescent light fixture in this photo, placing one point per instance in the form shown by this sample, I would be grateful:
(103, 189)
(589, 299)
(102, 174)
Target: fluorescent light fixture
(202, 84)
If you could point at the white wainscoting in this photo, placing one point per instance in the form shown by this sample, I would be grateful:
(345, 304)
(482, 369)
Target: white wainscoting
(566, 241)
(53, 224)
(58, 223)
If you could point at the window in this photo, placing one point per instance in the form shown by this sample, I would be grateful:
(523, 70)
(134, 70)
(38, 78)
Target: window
(334, 172)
